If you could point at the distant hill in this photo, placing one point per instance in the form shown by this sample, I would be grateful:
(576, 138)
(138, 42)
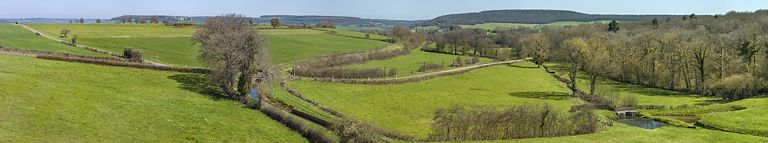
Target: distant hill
(530, 17)
(160, 18)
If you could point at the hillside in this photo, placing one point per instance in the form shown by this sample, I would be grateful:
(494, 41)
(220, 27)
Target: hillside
(530, 17)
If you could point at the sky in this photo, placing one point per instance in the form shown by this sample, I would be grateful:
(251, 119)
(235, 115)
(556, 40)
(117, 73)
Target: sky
(377, 9)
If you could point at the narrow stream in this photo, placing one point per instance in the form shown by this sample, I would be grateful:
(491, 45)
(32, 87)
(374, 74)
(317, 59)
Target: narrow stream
(641, 122)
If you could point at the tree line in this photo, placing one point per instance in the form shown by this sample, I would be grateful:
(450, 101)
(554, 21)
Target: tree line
(723, 55)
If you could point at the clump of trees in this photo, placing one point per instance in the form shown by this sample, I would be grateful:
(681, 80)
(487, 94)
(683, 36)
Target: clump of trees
(133, 54)
(701, 54)
(736, 87)
(475, 42)
(234, 53)
(325, 24)
(526, 121)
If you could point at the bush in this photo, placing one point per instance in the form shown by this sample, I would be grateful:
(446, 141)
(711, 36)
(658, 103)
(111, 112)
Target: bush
(458, 62)
(525, 121)
(343, 73)
(133, 54)
(392, 72)
(429, 66)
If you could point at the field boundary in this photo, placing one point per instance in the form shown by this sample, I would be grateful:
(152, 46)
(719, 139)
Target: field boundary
(46, 35)
(411, 78)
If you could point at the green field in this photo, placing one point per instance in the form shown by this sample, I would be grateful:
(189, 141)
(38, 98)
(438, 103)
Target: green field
(409, 64)
(176, 51)
(356, 34)
(14, 36)
(52, 101)
(162, 44)
(288, 48)
(116, 30)
(409, 108)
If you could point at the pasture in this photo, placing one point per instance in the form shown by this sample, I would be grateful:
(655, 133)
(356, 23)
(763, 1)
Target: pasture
(409, 64)
(53, 101)
(171, 45)
(14, 36)
(409, 108)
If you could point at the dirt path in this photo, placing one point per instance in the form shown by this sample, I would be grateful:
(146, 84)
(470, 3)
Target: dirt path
(79, 45)
(18, 54)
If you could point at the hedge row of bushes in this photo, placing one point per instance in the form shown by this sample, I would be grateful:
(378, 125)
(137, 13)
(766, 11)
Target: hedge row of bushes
(345, 73)
(328, 66)
(105, 61)
(352, 58)
(395, 80)
(464, 62)
(297, 125)
(429, 66)
(526, 121)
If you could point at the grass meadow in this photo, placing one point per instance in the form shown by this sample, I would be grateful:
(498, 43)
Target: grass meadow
(409, 64)
(53, 101)
(171, 45)
(14, 36)
(409, 108)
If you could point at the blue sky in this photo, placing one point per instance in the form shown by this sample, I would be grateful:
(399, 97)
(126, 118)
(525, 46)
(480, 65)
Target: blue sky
(384, 9)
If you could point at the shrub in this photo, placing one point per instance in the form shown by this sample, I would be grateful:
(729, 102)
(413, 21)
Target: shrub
(525, 121)
(392, 72)
(458, 62)
(429, 66)
(133, 54)
(344, 73)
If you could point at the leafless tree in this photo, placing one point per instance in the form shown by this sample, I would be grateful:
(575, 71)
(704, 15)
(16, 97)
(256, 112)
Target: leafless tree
(234, 53)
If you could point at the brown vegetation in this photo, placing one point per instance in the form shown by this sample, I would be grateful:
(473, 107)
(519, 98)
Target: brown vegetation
(526, 121)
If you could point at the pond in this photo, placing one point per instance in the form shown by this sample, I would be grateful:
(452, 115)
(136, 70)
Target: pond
(641, 122)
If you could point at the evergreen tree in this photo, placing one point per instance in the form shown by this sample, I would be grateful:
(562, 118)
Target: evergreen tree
(613, 26)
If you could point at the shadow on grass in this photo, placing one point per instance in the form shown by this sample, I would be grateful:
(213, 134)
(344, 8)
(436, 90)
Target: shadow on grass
(541, 95)
(198, 83)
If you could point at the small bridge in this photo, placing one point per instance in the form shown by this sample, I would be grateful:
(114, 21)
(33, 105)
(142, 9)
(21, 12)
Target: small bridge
(627, 111)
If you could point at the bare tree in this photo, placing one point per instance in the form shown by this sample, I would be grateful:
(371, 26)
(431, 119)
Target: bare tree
(154, 19)
(572, 54)
(64, 32)
(234, 53)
